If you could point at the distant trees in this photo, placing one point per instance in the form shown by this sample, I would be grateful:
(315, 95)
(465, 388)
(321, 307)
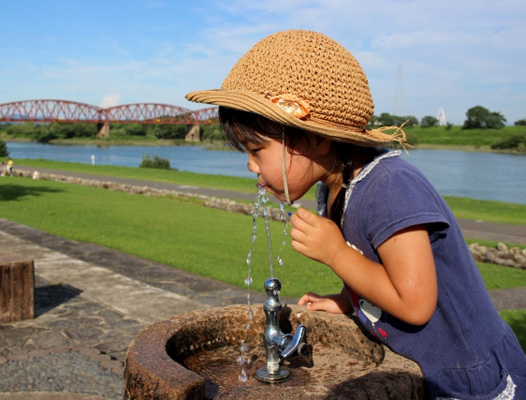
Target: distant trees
(386, 119)
(45, 132)
(480, 117)
(156, 162)
(477, 117)
(520, 122)
(428, 122)
(515, 142)
(3, 149)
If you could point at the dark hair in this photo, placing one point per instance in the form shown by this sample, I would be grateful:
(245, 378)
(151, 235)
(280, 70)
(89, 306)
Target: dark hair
(241, 125)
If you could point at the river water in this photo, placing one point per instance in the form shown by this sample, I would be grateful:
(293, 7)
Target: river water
(486, 176)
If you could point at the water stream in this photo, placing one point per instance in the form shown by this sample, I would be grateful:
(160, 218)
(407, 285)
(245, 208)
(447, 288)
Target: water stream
(260, 204)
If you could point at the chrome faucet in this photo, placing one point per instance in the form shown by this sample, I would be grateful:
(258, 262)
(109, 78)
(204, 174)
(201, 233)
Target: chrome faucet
(278, 344)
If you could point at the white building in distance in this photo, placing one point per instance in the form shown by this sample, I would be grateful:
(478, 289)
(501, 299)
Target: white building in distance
(442, 121)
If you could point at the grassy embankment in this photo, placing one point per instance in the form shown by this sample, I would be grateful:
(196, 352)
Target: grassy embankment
(456, 138)
(492, 211)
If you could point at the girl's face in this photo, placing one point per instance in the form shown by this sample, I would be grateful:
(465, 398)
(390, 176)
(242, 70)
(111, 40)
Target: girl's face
(301, 164)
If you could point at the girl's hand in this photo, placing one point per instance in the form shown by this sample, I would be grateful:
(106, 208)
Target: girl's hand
(333, 303)
(404, 285)
(316, 237)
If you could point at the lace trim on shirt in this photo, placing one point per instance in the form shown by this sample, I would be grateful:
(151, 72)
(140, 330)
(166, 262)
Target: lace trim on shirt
(509, 391)
(507, 394)
(362, 174)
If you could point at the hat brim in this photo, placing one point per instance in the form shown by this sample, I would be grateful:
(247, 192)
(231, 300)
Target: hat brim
(248, 101)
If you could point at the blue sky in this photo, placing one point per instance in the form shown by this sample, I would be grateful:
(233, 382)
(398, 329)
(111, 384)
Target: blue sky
(419, 55)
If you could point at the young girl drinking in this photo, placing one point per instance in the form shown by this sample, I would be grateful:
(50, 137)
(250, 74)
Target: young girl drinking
(297, 103)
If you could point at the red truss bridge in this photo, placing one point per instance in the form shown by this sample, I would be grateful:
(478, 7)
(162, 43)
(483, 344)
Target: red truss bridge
(74, 112)
(71, 111)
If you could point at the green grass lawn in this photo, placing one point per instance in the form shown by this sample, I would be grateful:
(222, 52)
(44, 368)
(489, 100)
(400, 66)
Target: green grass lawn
(456, 136)
(517, 321)
(206, 241)
(492, 211)
(181, 233)
(150, 174)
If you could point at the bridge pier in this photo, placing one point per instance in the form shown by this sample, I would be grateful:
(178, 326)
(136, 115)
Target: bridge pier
(103, 130)
(193, 134)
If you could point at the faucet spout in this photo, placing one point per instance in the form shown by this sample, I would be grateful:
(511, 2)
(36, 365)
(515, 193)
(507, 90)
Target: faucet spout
(277, 344)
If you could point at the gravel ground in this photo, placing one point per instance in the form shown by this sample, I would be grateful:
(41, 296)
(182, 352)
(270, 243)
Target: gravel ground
(78, 374)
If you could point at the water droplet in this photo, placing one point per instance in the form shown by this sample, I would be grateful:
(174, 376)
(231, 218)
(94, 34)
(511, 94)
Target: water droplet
(243, 376)
(250, 314)
(280, 261)
(247, 327)
(241, 360)
(248, 280)
(244, 346)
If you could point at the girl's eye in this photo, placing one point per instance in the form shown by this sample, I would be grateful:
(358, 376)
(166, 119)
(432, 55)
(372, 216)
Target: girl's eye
(254, 151)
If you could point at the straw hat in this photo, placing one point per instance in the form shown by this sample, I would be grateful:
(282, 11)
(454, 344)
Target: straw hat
(305, 80)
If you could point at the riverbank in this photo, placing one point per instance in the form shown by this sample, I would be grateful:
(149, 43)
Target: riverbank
(463, 207)
(108, 142)
(220, 145)
(452, 138)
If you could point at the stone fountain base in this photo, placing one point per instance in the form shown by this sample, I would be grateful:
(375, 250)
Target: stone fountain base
(193, 356)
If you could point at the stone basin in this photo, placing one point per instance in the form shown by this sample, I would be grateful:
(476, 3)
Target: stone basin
(193, 356)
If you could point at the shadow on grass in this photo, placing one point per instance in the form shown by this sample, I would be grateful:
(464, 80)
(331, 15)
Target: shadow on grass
(10, 192)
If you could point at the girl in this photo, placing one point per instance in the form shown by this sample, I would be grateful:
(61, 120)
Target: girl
(298, 104)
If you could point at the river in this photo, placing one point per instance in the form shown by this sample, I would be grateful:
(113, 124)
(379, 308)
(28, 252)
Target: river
(486, 176)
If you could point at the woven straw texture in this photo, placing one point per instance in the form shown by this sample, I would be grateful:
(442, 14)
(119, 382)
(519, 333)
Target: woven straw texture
(323, 82)
(312, 67)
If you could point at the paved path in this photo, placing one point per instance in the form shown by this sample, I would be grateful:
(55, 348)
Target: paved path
(91, 302)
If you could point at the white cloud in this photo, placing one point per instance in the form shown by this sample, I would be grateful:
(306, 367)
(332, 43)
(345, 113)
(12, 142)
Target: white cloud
(110, 100)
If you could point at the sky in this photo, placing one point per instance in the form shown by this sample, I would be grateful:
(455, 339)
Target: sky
(418, 55)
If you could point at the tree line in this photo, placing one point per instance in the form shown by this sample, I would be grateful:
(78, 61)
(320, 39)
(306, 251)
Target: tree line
(46, 132)
(477, 117)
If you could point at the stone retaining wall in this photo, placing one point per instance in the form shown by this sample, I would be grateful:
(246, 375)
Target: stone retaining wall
(501, 255)
(207, 201)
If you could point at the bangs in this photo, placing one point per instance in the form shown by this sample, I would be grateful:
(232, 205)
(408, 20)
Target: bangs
(243, 127)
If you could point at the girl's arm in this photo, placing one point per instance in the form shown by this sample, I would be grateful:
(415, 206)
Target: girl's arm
(405, 285)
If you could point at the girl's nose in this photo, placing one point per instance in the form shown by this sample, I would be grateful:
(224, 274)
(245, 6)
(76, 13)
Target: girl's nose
(252, 166)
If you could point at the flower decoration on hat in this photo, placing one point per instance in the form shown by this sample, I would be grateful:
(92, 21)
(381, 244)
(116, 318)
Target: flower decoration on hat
(292, 104)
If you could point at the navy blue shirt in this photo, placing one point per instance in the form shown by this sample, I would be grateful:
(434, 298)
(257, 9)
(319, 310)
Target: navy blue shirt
(456, 349)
